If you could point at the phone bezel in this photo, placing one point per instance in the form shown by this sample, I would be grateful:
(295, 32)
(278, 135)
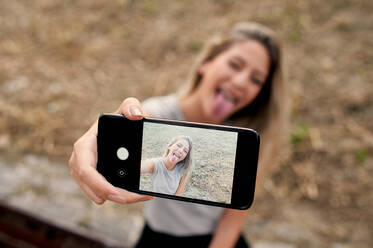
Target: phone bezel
(245, 169)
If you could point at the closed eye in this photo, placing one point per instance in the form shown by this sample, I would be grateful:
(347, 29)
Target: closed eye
(235, 65)
(257, 81)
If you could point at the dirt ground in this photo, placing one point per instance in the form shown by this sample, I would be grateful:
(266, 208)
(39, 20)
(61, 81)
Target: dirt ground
(64, 62)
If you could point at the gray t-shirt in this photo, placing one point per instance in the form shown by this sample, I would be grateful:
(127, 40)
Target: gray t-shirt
(171, 216)
(164, 180)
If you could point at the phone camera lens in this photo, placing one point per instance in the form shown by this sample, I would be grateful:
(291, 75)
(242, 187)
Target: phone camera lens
(122, 173)
(122, 153)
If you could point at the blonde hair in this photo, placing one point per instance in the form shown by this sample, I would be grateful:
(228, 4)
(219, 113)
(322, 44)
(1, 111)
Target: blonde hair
(268, 113)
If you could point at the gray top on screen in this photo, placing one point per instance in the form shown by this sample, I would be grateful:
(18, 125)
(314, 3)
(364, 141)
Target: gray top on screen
(166, 181)
(170, 216)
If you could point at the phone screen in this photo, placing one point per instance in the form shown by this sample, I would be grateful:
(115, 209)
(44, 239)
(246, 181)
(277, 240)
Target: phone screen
(190, 162)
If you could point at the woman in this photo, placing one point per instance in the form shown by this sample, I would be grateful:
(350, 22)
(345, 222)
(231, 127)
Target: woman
(170, 172)
(237, 80)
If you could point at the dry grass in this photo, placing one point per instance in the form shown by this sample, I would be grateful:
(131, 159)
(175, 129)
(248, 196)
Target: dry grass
(62, 63)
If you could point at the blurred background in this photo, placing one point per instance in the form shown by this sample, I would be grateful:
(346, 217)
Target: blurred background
(62, 63)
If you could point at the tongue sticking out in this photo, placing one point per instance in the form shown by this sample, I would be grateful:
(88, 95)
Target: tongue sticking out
(222, 105)
(174, 158)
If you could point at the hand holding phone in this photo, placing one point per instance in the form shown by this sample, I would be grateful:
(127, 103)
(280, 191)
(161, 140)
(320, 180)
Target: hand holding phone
(194, 162)
(83, 162)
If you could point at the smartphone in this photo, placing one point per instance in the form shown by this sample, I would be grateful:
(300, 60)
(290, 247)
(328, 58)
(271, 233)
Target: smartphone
(194, 162)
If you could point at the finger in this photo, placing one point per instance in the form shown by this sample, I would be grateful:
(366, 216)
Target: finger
(84, 166)
(92, 195)
(87, 190)
(96, 186)
(85, 151)
(124, 196)
(88, 175)
(103, 190)
(131, 108)
(99, 186)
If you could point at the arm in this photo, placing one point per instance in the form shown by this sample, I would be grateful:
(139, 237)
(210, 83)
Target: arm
(147, 167)
(181, 187)
(232, 220)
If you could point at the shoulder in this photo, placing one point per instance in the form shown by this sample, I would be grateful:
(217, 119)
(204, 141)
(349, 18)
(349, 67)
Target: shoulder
(157, 163)
(149, 162)
(163, 107)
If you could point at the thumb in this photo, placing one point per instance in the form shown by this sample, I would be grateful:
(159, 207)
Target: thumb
(131, 108)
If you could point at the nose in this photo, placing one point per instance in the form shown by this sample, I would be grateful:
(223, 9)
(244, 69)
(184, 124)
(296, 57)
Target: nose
(240, 79)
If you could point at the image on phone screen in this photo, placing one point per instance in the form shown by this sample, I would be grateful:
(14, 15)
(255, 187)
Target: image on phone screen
(190, 162)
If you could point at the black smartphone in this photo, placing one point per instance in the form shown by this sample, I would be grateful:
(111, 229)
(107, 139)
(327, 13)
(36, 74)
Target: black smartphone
(194, 162)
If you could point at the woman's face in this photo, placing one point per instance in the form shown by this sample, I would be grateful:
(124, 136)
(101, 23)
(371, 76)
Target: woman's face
(178, 151)
(233, 79)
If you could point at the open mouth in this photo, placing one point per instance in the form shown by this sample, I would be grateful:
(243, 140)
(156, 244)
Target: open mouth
(226, 95)
(175, 157)
(224, 103)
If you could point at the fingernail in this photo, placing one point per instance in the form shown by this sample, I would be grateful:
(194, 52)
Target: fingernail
(135, 111)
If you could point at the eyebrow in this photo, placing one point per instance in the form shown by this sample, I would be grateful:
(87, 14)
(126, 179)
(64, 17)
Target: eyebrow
(183, 145)
(179, 143)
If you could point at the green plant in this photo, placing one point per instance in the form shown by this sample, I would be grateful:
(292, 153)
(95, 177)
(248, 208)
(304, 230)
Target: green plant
(362, 155)
(298, 134)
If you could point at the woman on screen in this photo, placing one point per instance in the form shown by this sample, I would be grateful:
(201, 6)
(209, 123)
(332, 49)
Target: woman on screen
(170, 172)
